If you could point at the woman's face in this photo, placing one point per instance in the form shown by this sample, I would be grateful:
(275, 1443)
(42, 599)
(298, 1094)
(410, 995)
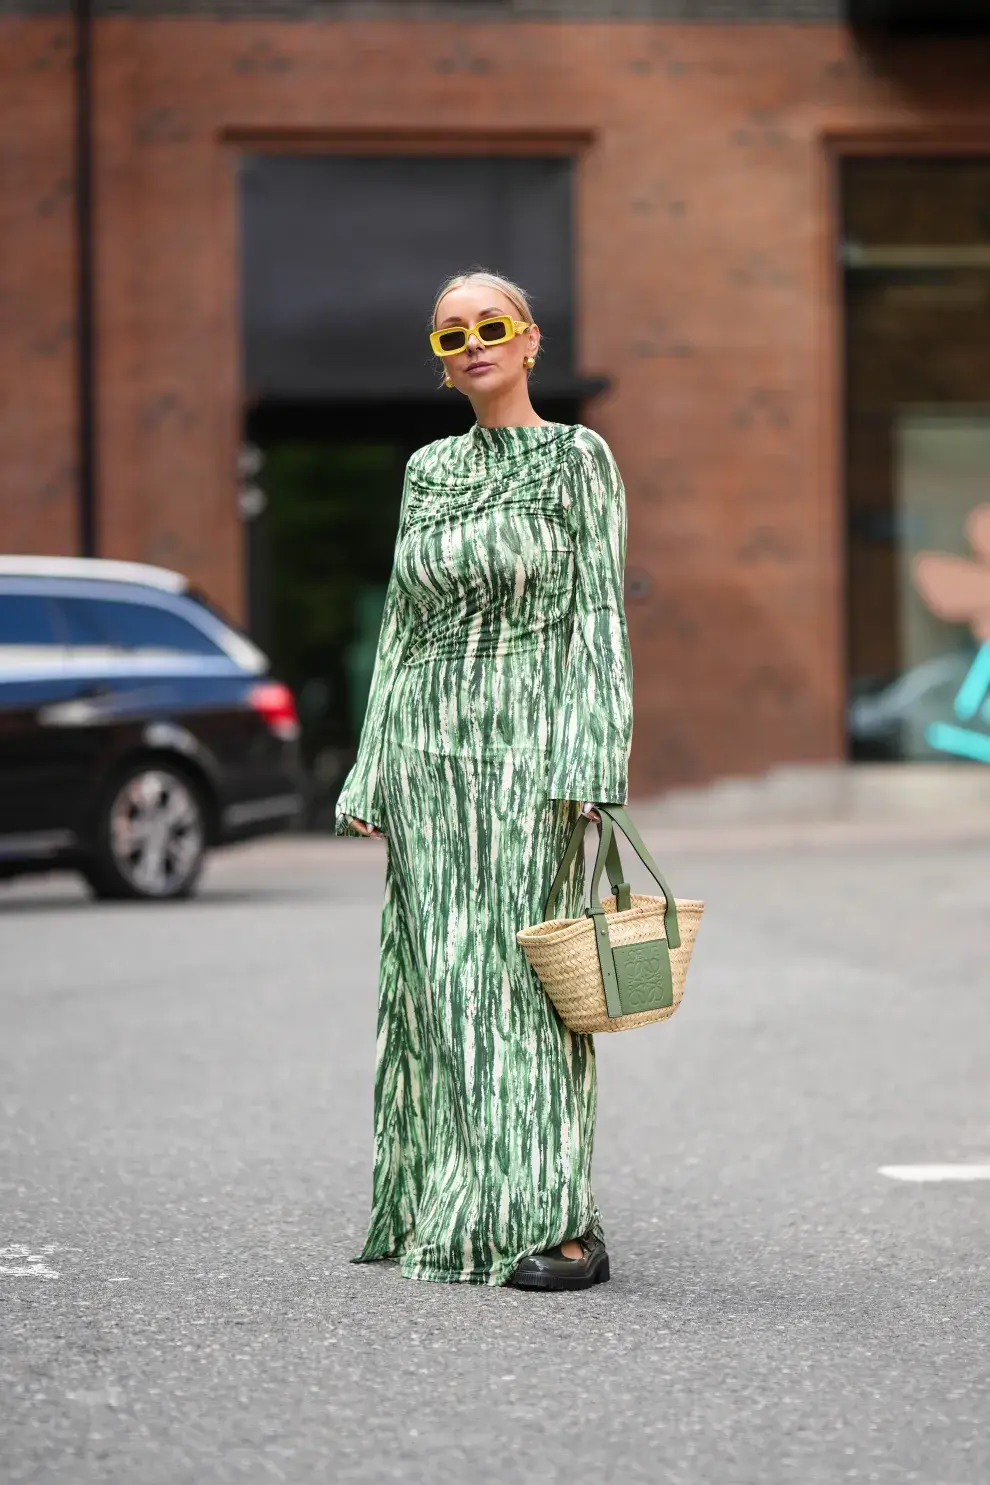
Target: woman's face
(480, 371)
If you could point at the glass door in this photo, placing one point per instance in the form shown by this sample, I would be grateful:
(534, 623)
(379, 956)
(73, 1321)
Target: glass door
(916, 255)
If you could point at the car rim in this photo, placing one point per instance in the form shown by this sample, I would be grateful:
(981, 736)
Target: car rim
(156, 832)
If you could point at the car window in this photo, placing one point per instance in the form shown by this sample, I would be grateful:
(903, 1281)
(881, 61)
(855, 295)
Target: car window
(26, 621)
(135, 627)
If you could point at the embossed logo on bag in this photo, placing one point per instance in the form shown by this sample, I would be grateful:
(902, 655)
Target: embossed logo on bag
(643, 974)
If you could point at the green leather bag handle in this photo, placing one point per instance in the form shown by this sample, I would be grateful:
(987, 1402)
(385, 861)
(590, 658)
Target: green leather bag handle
(612, 865)
(599, 920)
(617, 814)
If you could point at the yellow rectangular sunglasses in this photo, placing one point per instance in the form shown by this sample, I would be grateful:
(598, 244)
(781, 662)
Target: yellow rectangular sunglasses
(493, 331)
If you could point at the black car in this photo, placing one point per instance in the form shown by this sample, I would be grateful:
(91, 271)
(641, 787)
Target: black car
(138, 727)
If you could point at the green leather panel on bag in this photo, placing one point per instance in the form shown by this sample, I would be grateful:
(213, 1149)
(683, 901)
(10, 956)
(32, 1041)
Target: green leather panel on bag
(643, 975)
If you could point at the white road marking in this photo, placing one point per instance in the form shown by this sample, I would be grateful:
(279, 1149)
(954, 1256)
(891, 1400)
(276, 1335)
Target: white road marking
(31, 1266)
(102, 1397)
(936, 1172)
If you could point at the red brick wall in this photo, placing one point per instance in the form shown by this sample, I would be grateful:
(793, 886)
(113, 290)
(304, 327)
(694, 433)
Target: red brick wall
(706, 286)
(37, 349)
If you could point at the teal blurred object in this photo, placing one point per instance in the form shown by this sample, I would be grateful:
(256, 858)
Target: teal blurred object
(972, 705)
(359, 655)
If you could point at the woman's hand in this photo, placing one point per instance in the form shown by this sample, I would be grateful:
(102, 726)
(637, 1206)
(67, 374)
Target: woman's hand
(363, 828)
(589, 810)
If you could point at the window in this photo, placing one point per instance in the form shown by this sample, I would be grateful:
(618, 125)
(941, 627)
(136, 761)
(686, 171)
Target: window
(141, 628)
(26, 621)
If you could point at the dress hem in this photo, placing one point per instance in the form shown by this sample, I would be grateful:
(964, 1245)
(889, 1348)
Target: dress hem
(497, 1276)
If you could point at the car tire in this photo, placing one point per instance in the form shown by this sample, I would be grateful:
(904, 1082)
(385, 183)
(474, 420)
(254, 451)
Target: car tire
(151, 836)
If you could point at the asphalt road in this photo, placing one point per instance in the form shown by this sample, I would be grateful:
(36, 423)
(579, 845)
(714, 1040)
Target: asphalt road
(186, 1098)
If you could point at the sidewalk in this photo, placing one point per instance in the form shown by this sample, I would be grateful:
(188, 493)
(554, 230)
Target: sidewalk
(813, 807)
(863, 792)
(827, 804)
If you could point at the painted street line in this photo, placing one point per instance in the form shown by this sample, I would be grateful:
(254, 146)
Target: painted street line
(936, 1172)
(31, 1265)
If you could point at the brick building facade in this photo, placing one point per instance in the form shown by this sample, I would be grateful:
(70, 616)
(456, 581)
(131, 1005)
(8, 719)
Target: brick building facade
(708, 292)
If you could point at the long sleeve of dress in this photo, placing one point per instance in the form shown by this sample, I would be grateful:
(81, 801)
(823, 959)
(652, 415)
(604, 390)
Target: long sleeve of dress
(593, 729)
(360, 795)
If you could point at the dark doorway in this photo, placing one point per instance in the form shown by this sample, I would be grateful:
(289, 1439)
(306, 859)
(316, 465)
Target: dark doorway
(342, 257)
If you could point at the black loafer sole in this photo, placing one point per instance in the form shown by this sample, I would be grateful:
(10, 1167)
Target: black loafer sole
(595, 1272)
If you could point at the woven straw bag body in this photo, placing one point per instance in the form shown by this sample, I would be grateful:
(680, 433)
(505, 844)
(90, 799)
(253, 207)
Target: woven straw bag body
(624, 962)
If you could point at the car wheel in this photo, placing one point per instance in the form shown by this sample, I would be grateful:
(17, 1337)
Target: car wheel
(151, 836)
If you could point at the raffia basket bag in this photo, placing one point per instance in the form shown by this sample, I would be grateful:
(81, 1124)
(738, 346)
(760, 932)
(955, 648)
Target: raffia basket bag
(624, 961)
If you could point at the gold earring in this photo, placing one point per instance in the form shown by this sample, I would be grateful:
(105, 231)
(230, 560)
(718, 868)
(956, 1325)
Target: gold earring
(447, 382)
(529, 360)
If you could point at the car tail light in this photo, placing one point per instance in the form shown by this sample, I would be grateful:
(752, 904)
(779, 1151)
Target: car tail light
(277, 707)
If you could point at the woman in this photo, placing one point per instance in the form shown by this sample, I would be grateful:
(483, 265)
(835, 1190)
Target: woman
(500, 706)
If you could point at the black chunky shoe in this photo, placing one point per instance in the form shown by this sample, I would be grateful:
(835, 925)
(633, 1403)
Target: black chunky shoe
(551, 1270)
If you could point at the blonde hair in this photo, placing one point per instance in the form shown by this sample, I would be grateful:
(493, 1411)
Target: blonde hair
(505, 286)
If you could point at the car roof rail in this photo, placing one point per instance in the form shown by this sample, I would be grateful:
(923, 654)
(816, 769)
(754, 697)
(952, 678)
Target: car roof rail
(101, 568)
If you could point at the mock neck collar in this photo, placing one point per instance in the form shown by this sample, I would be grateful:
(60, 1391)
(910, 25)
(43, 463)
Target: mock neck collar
(508, 440)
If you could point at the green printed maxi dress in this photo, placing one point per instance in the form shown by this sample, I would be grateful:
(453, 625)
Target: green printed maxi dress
(501, 699)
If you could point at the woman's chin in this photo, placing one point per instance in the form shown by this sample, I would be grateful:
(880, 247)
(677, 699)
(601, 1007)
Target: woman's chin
(487, 381)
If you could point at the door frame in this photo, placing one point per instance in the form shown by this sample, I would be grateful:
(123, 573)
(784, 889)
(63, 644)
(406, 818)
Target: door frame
(838, 144)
